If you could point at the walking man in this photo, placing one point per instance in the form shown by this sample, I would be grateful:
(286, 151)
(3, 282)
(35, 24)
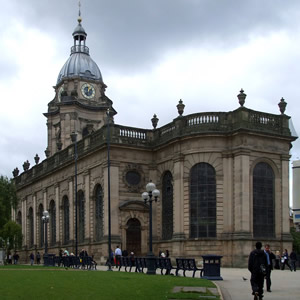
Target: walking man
(257, 266)
(270, 256)
(118, 254)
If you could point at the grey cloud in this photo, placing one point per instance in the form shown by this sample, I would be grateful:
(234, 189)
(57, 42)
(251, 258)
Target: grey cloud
(130, 35)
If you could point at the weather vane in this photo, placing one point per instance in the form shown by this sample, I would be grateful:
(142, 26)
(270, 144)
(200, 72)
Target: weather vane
(79, 12)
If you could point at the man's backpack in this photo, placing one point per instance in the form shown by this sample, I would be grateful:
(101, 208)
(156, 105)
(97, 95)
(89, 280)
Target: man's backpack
(260, 263)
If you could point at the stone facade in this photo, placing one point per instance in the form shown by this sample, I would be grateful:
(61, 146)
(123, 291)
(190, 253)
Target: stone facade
(228, 145)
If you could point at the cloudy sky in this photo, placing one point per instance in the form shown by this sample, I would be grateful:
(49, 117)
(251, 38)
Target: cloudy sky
(151, 54)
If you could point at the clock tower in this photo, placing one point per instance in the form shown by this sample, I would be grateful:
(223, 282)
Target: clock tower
(80, 103)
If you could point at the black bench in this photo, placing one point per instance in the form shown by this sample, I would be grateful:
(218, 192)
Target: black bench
(126, 262)
(140, 264)
(88, 263)
(164, 263)
(187, 264)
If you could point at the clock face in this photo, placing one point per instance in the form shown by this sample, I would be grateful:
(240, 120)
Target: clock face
(88, 91)
(61, 89)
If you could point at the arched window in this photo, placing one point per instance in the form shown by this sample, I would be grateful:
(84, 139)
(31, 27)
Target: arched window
(41, 225)
(98, 213)
(52, 215)
(81, 218)
(202, 201)
(19, 218)
(66, 220)
(263, 201)
(167, 206)
(30, 226)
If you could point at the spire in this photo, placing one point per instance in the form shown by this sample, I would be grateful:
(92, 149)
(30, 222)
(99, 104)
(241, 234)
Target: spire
(79, 12)
(79, 35)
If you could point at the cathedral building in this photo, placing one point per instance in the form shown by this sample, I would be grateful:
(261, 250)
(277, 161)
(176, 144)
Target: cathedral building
(223, 176)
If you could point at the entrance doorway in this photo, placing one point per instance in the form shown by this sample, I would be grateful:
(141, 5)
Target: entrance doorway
(133, 236)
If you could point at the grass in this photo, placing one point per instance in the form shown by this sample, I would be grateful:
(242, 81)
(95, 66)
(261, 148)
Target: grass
(38, 282)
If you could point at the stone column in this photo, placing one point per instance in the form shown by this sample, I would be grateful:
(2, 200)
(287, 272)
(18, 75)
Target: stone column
(86, 178)
(24, 223)
(34, 220)
(71, 208)
(114, 199)
(228, 207)
(241, 203)
(285, 196)
(57, 201)
(178, 196)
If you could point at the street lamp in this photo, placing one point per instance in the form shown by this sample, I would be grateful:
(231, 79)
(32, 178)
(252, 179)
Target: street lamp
(45, 219)
(151, 191)
(108, 193)
(74, 141)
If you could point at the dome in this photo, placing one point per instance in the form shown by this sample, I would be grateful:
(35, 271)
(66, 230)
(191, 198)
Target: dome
(79, 64)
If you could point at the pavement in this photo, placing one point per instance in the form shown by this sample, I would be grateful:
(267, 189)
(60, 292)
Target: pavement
(285, 285)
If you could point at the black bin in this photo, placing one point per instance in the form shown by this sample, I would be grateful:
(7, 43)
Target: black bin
(212, 267)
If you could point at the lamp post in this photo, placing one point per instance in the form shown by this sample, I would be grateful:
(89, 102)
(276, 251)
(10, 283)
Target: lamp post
(74, 141)
(151, 191)
(108, 193)
(45, 219)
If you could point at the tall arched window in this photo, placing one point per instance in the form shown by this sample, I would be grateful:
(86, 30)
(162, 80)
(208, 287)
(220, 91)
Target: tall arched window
(52, 215)
(41, 225)
(66, 220)
(98, 213)
(19, 218)
(167, 206)
(81, 218)
(263, 201)
(31, 225)
(202, 201)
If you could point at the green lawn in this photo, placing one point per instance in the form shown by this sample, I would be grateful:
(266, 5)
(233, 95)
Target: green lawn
(26, 282)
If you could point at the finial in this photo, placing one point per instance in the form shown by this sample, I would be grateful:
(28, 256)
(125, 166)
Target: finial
(79, 12)
(154, 121)
(180, 107)
(282, 105)
(242, 96)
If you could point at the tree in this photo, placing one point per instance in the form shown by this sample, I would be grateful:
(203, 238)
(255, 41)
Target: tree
(296, 240)
(11, 235)
(8, 199)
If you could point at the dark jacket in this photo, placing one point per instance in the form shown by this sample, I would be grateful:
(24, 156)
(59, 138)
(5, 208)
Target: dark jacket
(256, 258)
(272, 257)
(293, 255)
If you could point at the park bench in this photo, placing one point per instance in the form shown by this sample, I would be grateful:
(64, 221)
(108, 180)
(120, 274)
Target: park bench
(88, 263)
(187, 264)
(126, 262)
(164, 263)
(140, 264)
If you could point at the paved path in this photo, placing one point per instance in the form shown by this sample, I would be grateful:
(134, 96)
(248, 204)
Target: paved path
(285, 285)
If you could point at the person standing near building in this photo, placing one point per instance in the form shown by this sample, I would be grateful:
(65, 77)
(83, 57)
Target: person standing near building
(118, 254)
(293, 257)
(257, 266)
(31, 256)
(270, 256)
(38, 258)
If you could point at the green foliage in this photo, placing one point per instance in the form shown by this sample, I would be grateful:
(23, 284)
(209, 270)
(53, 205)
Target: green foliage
(76, 284)
(11, 235)
(8, 199)
(296, 240)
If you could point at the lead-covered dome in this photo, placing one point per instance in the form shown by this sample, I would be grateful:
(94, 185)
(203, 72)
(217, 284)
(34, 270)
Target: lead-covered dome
(79, 64)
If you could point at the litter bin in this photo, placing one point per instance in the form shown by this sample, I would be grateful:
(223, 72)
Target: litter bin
(212, 267)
